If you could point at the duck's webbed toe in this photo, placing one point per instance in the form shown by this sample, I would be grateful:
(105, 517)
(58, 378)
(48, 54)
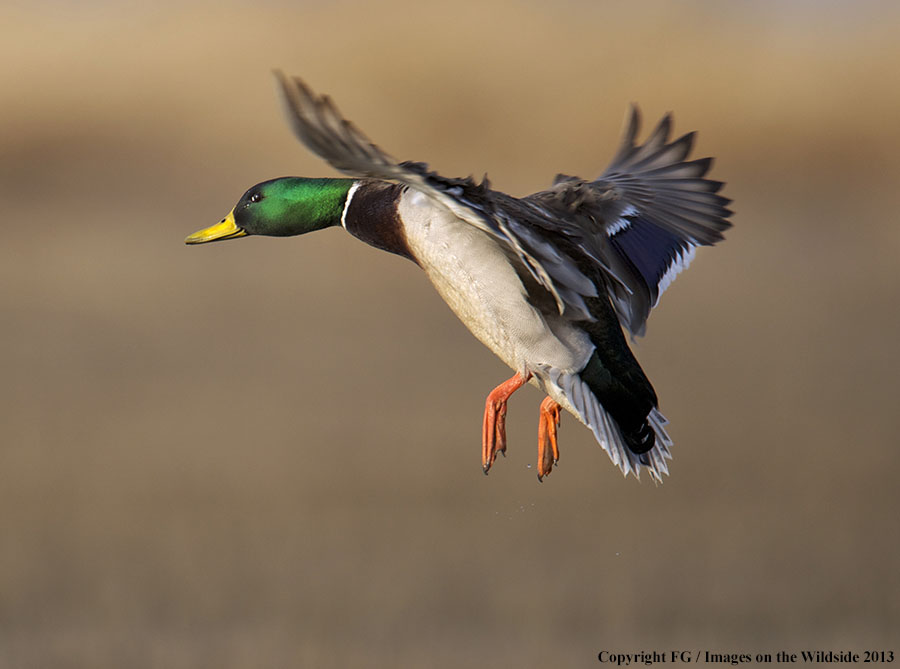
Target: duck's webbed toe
(548, 448)
(493, 433)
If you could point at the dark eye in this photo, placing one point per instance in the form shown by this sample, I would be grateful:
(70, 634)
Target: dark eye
(256, 197)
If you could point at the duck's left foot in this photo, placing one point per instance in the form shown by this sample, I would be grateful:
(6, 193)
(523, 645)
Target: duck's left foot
(493, 433)
(548, 449)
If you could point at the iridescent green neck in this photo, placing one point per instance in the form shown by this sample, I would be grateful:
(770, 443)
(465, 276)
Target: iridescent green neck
(292, 206)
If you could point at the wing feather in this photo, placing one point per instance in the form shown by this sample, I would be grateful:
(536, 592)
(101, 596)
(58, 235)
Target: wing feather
(320, 126)
(644, 216)
(628, 232)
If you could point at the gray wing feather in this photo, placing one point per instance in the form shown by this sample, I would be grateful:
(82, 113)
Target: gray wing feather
(641, 175)
(643, 217)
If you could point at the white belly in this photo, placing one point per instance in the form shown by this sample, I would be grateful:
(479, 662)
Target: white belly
(473, 275)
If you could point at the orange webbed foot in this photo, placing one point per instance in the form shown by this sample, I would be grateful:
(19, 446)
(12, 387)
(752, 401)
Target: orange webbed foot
(548, 449)
(493, 432)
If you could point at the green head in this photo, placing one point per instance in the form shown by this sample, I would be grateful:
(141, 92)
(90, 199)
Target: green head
(281, 208)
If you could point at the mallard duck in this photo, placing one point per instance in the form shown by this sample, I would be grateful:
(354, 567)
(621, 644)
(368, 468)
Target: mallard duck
(547, 281)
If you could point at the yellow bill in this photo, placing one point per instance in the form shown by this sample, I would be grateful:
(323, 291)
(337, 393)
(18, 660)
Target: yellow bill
(225, 229)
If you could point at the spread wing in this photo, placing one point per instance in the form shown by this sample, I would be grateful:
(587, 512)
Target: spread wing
(644, 216)
(320, 126)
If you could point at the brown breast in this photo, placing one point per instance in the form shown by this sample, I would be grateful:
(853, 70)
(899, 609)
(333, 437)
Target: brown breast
(372, 217)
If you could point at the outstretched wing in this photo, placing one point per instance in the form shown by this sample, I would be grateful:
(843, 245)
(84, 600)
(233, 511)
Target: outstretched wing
(319, 125)
(644, 216)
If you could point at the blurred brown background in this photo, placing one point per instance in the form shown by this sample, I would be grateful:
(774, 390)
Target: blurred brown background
(266, 452)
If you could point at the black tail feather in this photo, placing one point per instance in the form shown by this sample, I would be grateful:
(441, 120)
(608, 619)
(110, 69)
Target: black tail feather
(640, 440)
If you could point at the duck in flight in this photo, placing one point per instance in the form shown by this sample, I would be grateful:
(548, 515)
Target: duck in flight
(547, 281)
